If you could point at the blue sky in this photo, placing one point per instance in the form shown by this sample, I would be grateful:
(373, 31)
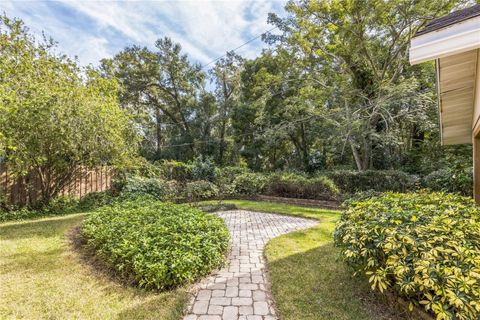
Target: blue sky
(92, 30)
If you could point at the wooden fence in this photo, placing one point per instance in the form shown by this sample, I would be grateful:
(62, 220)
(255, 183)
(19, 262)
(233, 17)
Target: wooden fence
(26, 189)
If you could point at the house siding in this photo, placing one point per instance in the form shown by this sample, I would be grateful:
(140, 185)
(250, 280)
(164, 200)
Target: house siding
(476, 111)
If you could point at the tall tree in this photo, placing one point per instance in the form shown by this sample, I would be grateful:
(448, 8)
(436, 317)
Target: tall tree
(358, 51)
(226, 74)
(286, 111)
(162, 85)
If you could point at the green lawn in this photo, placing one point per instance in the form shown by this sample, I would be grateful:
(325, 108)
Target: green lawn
(42, 278)
(280, 208)
(309, 281)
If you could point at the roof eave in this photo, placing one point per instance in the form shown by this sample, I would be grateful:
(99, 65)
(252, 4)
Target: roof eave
(456, 38)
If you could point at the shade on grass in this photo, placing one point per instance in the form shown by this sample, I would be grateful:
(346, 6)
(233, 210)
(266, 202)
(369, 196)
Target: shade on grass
(42, 278)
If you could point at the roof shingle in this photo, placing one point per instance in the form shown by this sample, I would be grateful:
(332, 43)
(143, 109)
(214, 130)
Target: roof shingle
(452, 18)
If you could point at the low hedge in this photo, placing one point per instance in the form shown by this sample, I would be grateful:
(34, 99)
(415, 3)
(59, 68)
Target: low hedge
(350, 181)
(156, 245)
(249, 184)
(426, 247)
(138, 186)
(200, 190)
(58, 206)
(292, 185)
(450, 180)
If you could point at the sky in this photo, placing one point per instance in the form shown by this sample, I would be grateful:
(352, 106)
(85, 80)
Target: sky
(92, 30)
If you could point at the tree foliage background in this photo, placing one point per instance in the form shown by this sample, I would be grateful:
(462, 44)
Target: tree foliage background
(334, 89)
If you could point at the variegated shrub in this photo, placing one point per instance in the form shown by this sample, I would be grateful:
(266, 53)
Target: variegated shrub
(423, 246)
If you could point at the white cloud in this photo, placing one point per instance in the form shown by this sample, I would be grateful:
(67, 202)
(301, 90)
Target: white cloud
(205, 29)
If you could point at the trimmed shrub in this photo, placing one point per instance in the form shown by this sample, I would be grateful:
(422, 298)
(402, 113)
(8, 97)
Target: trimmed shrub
(200, 190)
(156, 245)
(175, 170)
(61, 204)
(95, 199)
(349, 181)
(226, 175)
(450, 180)
(249, 183)
(425, 247)
(292, 185)
(142, 167)
(137, 186)
(204, 169)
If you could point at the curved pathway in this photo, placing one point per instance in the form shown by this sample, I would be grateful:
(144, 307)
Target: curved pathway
(240, 291)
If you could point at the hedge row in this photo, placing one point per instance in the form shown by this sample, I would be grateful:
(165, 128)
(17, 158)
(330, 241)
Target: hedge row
(201, 179)
(235, 181)
(350, 182)
(246, 184)
(426, 247)
(347, 182)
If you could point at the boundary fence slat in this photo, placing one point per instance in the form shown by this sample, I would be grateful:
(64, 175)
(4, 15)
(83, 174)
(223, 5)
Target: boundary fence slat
(26, 189)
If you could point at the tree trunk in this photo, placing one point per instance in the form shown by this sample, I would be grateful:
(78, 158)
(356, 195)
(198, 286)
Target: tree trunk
(221, 150)
(356, 155)
(158, 131)
(305, 149)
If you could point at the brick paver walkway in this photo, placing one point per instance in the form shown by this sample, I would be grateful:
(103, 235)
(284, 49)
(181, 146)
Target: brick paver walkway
(240, 290)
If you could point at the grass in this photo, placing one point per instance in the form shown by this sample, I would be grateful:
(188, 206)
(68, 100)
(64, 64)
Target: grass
(41, 277)
(309, 281)
(280, 208)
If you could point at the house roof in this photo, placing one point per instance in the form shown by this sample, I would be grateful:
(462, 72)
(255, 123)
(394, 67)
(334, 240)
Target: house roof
(452, 18)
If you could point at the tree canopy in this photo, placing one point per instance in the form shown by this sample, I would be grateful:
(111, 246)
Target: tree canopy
(334, 89)
(56, 117)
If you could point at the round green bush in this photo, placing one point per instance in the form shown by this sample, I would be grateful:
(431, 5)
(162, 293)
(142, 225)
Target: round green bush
(156, 245)
(138, 186)
(203, 168)
(226, 175)
(293, 185)
(249, 183)
(426, 247)
(95, 199)
(450, 180)
(200, 190)
(175, 170)
(351, 181)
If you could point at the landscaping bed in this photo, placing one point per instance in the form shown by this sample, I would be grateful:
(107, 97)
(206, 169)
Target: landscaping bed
(326, 204)
(156, 245)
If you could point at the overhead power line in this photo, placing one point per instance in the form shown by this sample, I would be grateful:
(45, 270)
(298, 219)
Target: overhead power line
(242, 45)
(253, 133)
